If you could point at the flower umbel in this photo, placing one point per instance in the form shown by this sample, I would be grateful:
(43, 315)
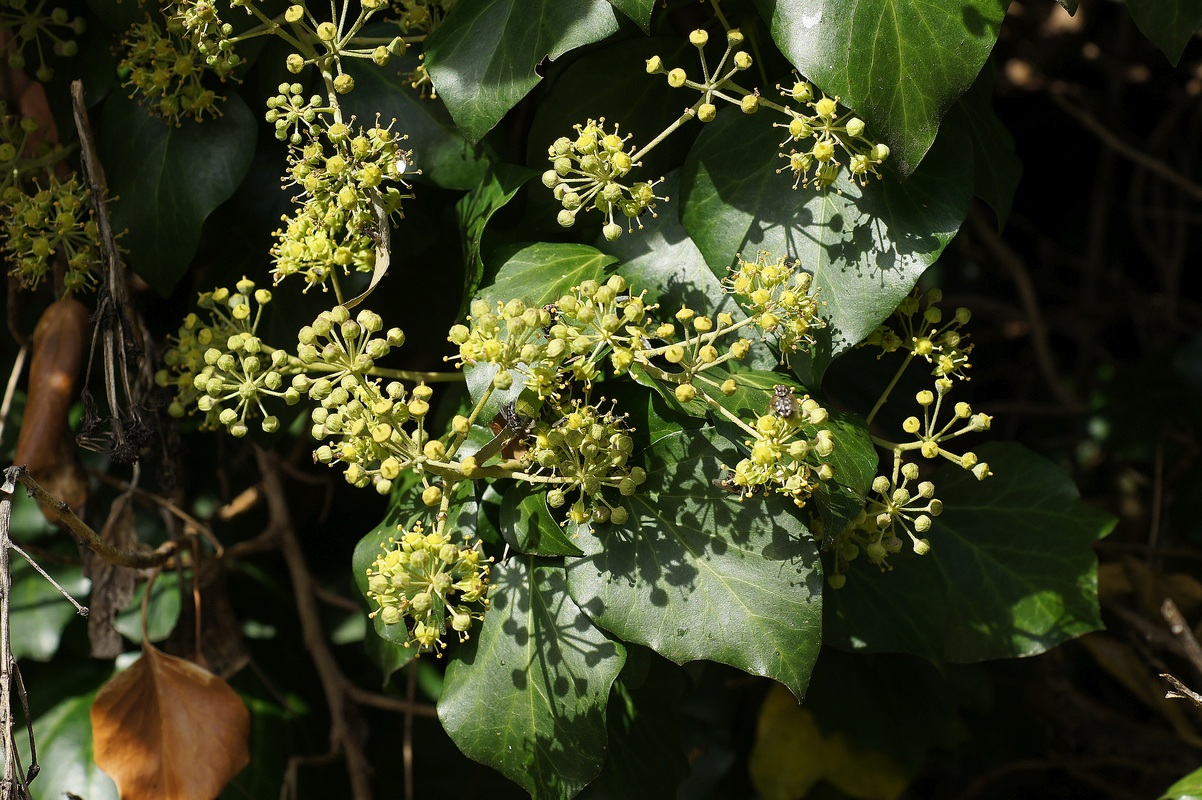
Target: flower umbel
(430, 585)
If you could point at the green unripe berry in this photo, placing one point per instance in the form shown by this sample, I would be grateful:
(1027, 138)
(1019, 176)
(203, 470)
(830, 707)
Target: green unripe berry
(837, 580)
(619, 515)
(612, 231)
(707, 112)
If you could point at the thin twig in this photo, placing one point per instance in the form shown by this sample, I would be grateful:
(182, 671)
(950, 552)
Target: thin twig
(81, 610)
(344, 714)
(166, 505)
(1180, 629)
(12, 780)
(1026, 291)
(11, 389)
(1180, 690)
(1134, 154)
(86, 536)
(383, 701)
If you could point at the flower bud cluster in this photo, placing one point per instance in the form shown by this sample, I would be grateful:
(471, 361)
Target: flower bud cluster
(588, 449)
(930, 435)
(923, 332)
(587, 174)
(825, 132)
(289, 110)
(168, 72)
(876, 532)
(778, 296)
(47, 29)
(429, 584)
(342, 173)
(223, 368)
(23, 154)
(716, 82)
(421, 16)
(787, 451)
(56, 220)
(211, 37)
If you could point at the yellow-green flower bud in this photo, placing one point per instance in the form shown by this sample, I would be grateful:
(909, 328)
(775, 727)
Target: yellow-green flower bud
(698, 38)
(743, 60)
(676, 78)
(707, 112)
(432, 495)
(327, 31)
(750, 104)
(294, 13)
(685, 392)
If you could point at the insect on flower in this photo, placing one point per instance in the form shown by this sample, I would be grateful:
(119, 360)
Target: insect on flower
(784, 404)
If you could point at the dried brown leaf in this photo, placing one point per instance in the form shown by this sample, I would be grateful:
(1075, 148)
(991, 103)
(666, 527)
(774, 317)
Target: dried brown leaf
(45, 444)
(166, 729)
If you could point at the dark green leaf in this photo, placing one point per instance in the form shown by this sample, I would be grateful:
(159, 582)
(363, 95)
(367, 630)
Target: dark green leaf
(898, 65)
(37, 612)
(1069, 5)
(166, 180)
(1010, 573)
(1188, 788)
(637, 10)
(543, 272)
(528, 695)
(996, 167)
(441, 153)
(1170, 24)
(483, 58)
(64, 743)
(529, 527)
(696, 574)
(161, 614)
(496, 189)
(638, 104)
(866, 246)
(644, 757)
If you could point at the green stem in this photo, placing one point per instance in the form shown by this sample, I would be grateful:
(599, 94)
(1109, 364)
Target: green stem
(668, 131)
(888, 389)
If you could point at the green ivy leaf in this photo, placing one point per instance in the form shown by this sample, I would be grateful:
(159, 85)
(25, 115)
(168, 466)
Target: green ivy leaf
(996, 167)
(543, 272)
(474, 211)
(161, 614)
(65, 752)
(166, 180)
(866, 246)
(483, 58)
(900, 66)
(696, 574)
(644, 757)
(1069, 5)
(38, 614)
(1010, 572)
(527, 696)
(439, 150)
(1170, 24)
(529, 527)
(637, 10)
(1188, 788)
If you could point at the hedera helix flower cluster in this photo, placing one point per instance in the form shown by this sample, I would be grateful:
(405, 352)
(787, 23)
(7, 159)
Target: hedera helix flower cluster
(41, 27)
(901, 505)
(573, 441)
(590, 172)
(46, 221)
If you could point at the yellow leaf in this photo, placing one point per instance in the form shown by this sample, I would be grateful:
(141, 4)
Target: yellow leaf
(791, 755)
(166, 729)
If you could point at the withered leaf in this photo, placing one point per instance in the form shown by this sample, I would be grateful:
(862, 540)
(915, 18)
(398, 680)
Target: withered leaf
(166, 729)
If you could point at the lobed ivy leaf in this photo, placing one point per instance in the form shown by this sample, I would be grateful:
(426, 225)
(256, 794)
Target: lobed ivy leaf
(996, 167)
(1187, 788)
(1170, 24)
(528, 526)
(1010, 573)
(866, 246)
(475, 209)
(644, 757)
(543, 272)
(637, 10)
(483, 59)
(166, 180)
(696, 574)
(527, 695)
(900, 66)
(65, 750)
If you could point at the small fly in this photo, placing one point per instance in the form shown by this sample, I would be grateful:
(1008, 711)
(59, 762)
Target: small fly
(784, 404)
